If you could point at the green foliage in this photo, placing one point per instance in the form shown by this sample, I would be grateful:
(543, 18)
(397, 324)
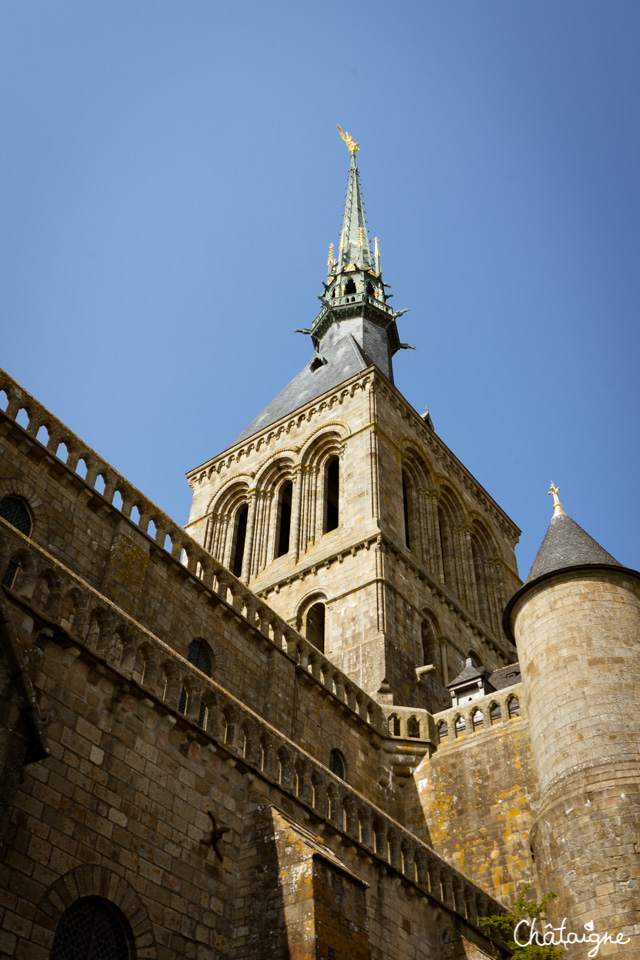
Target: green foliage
(502, 926)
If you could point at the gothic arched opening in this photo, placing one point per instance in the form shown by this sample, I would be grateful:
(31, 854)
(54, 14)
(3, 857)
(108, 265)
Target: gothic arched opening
(350, 287)
(337, 764)
(430, 647)
(316, 625)
(199, 654)
(91, 929)
(14, 511)
(446, 550)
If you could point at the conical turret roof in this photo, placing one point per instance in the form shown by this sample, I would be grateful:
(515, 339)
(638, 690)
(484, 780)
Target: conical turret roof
(566, 544)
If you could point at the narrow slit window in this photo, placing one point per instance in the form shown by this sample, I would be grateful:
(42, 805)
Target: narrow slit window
(239, 539)
(284, 519)
(405, 503)
(332, 495)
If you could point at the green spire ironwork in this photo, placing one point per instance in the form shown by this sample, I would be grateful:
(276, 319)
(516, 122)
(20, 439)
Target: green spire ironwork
(354, 241)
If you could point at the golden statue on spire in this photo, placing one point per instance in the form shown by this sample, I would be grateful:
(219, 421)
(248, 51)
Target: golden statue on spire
(557, 506)
(350, 142)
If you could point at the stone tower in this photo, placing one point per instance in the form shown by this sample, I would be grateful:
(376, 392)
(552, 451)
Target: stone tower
(577, 626)
(344, 510)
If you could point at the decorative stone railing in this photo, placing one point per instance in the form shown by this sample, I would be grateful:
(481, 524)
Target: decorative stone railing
(64, 608)
(410, 723)
(492, 710)
(115, 490)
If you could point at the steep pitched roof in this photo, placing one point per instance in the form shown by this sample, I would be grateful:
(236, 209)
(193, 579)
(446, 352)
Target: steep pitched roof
(566, 544)
(505, 676)
(469, 672)
(347, 348)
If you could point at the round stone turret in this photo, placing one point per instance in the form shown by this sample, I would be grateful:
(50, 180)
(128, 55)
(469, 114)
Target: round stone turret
(576, 623)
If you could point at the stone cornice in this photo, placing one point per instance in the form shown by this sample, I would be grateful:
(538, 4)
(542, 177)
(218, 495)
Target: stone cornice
(283, 426)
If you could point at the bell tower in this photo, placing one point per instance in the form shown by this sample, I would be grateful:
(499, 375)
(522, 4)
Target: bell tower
(343, 509)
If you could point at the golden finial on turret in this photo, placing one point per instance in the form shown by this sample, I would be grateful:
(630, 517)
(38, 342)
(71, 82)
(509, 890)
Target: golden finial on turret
(557, 506)
(360, 240)
(376, 254)
(330, 257)
(350, 142)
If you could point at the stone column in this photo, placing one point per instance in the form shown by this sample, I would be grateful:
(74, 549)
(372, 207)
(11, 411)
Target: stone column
(296, 500)
(248, 544)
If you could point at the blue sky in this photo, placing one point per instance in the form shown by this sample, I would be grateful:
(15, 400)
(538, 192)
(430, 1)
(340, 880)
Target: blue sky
(172, 177)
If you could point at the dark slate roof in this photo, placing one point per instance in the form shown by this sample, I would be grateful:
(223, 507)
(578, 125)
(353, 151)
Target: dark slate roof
(348, 347)
(567, 545)
(469, 672)
(505, 676)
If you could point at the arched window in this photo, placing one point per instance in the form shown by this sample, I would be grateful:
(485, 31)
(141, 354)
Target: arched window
(316, 620)
(350, 287)
(369, 289)
(337, 764)
(446, 549)
(91, 929)
(331, 494)
(429, 645)
(482, 552)
(430, 648)
(514, 707)
(15, 512)
(443, 732)
(406, 506)
(284, 519)
(239, 537)
(199, 654)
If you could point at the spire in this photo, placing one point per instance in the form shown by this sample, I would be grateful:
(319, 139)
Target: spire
(356, 326)
(354, 289)
(354, 243)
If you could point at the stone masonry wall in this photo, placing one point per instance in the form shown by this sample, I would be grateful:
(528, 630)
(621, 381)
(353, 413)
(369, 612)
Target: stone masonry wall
(365, 563)
(474, 794)
(144, 747)
(121, 810)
